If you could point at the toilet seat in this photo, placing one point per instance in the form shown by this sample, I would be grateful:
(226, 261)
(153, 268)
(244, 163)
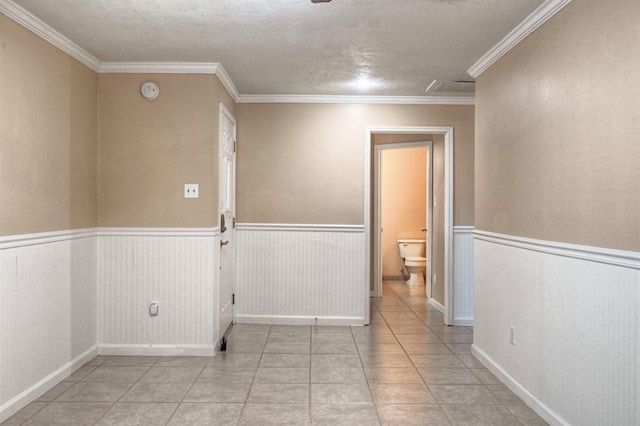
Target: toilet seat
(415, 261)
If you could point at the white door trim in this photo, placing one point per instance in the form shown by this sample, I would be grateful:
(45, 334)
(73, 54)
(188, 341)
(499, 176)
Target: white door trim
(377, 247)
(447, 131)
(224, 112)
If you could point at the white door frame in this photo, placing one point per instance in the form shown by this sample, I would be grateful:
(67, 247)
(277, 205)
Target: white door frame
(377, 203)
(224, 112)
(447, 131)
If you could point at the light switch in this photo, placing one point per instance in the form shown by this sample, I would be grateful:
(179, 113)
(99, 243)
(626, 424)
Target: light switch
(190, 190)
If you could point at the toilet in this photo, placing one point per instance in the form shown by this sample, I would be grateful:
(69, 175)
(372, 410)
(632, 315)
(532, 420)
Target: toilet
(412, 252)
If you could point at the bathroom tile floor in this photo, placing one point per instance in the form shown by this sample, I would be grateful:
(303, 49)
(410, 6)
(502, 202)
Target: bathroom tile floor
(406, 368)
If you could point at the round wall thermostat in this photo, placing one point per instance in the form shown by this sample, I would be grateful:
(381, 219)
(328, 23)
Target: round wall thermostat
(150, 90)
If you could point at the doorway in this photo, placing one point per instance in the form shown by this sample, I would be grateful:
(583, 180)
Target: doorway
(402, 198)
(446, 205)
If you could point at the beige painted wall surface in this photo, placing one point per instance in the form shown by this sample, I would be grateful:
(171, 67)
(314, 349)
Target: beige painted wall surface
(47, 136)
(403, 210)
(304, 163)
(148, 150)
(558, 120)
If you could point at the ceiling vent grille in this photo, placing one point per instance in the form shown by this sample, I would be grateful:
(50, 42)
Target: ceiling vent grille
(459, 86)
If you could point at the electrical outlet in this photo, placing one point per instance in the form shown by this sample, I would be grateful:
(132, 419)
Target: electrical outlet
(153, 309)
(512, 335)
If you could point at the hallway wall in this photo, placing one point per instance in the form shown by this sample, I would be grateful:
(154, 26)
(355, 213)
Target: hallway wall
(556, 166)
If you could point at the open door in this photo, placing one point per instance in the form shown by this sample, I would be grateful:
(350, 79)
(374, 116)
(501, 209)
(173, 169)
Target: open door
(226, 211)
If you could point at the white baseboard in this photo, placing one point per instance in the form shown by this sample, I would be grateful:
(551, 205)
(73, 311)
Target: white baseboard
(527, 397)
(436, 305)
(23, 399)
(468, 322)
(299, 320)
(156, 350)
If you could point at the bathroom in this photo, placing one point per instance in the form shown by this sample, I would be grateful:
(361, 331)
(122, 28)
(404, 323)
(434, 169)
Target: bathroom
(410, 168)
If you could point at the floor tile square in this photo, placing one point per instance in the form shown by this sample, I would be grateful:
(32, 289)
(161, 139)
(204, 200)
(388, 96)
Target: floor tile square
(69, 413)
(135, 413)
(25, 414)
(436, 361)
(274, 347)
(183, 361)
(348, 375)
(268, 375)
(227, 374)
(393, 375)
(401, 394)
(218, 392)
(156, 392)
(479, 415)
(448, 376)
(55, 391)
(94, 392)
(526, 415)
(335, 360)
(285, 360)
(340, 394)
(279, 393)
(344, 414)
(333, 348)
(172, 374)
(412, 415)
(206, 414)
(275, 414)
(463, 394)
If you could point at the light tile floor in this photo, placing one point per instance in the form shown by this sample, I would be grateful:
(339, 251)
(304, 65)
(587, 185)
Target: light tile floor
(406, 368)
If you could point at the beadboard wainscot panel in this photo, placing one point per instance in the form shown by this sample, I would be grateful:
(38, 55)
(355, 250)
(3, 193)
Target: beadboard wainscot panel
(172, 267)
(300, 274)
(48, 321)
(576, 312)
(463, 275)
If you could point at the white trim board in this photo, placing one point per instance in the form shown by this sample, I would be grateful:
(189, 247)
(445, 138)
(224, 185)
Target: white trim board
(298, 320)
(172, 68)
(22, 240)
(24, 398)
(156, 350)
(354, 99)
(433, 302)
(38, 27)
(538, 17)
(516, 387)
(626, 259)
(298, 227)
(158, 232)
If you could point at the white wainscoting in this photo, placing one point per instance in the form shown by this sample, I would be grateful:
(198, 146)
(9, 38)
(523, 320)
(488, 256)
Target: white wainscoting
(463, 275)
(576, 313)
(48, 321)
(173, 267)
(300, 274)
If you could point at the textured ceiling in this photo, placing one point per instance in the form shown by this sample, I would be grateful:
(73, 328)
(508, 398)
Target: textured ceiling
(294, 47)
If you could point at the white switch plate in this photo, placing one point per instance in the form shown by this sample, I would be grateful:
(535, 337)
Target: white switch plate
(191, 190)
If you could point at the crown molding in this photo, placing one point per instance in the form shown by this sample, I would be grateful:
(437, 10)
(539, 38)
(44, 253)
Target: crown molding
(36, 26)
(172, 68)
(330, 99)
(539, 16)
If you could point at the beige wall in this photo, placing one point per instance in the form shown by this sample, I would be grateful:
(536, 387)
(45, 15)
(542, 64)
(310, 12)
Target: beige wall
(304, 163)
(558, 120)
(148, 150)
(403, 187)
(47, 136)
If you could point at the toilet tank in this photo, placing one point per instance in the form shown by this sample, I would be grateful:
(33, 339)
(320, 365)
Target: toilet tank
(411, 248)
